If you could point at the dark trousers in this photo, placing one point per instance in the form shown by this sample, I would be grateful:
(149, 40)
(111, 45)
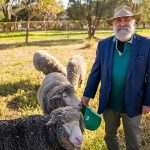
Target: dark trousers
(131, 126)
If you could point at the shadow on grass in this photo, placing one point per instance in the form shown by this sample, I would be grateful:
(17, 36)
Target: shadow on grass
(43, 43)
(24, 94)
(24, 101)
(12, 88)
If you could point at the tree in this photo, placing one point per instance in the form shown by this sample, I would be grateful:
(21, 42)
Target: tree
(34, 6)
(6, 7)
(31, 6)
(144, 9)
(90, 11)
(94, 10)
(51, 5)
(50, 8)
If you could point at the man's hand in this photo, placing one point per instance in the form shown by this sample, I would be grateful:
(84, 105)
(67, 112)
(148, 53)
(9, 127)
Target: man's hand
(85, 100)
(145, 109)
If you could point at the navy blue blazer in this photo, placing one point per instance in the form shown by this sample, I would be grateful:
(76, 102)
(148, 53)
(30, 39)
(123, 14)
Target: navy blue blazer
(137, 90)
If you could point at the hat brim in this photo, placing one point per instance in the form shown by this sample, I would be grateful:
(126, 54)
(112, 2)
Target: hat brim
(136, 17)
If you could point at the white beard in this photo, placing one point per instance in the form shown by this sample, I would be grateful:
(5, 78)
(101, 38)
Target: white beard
(124, 33)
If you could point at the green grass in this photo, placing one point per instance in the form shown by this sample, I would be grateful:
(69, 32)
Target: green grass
(51, 34)
(41, 33)
(19, 81)
(62, 33)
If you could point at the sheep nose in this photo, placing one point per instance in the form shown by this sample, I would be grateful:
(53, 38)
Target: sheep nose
(79, 139)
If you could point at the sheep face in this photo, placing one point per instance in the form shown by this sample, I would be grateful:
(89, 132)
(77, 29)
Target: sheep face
(71, 100)
(74, 131)
(69, 127)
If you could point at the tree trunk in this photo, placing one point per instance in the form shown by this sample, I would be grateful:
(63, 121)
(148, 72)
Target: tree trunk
(95, 24)
(44, 23)
(28, 26)
(27, 31)
(7, 12)
(15, 24)
(93, 31)
(143, 24)
(89, 19)
(82, 25)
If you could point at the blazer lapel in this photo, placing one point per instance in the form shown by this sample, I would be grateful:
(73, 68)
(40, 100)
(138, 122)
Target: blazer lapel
(110, 56)
(134, 52)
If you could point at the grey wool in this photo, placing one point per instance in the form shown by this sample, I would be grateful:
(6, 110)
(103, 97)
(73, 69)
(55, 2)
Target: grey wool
(56, 91)
(46, 63)
(39, 132)
(76, 71)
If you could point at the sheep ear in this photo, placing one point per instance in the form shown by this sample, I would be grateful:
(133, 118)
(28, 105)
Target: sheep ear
(55, 115)
(52, 121)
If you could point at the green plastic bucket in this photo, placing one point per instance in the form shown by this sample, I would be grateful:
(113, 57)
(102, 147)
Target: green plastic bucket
(91, 119)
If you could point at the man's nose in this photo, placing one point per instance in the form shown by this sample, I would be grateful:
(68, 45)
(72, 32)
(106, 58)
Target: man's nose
(122, 23)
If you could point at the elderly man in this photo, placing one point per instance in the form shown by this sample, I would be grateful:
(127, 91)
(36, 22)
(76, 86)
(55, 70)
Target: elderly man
(122, 65)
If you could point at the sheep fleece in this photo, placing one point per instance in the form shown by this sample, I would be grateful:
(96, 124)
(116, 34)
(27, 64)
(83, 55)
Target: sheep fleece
(53, 84)
(47, 63)
(29, 133)
(76, 71)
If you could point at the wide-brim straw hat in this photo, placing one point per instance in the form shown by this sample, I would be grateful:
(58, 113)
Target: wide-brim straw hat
(124, 11)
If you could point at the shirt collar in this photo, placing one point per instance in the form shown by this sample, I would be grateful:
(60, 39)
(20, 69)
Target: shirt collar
(130, 41)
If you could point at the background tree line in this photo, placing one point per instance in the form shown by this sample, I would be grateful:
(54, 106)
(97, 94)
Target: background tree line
(88, 12)
(92, 11)
(16, 10)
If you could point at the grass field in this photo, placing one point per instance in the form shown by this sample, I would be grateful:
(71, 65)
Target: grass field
(19, 81)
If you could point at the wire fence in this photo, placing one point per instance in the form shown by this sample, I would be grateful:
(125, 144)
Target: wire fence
(55, 25)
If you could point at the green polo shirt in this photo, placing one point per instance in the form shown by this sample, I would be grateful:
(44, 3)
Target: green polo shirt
(119, 74)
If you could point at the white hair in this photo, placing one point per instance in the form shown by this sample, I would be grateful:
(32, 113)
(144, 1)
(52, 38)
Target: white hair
(124, 33)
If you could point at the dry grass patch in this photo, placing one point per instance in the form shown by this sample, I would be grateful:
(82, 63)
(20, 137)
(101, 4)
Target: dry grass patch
(19, 81)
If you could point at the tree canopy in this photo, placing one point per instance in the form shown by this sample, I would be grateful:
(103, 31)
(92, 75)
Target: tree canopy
(92, 11)
(12, 7)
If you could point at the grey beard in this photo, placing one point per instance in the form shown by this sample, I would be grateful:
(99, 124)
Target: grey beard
(124, 35)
